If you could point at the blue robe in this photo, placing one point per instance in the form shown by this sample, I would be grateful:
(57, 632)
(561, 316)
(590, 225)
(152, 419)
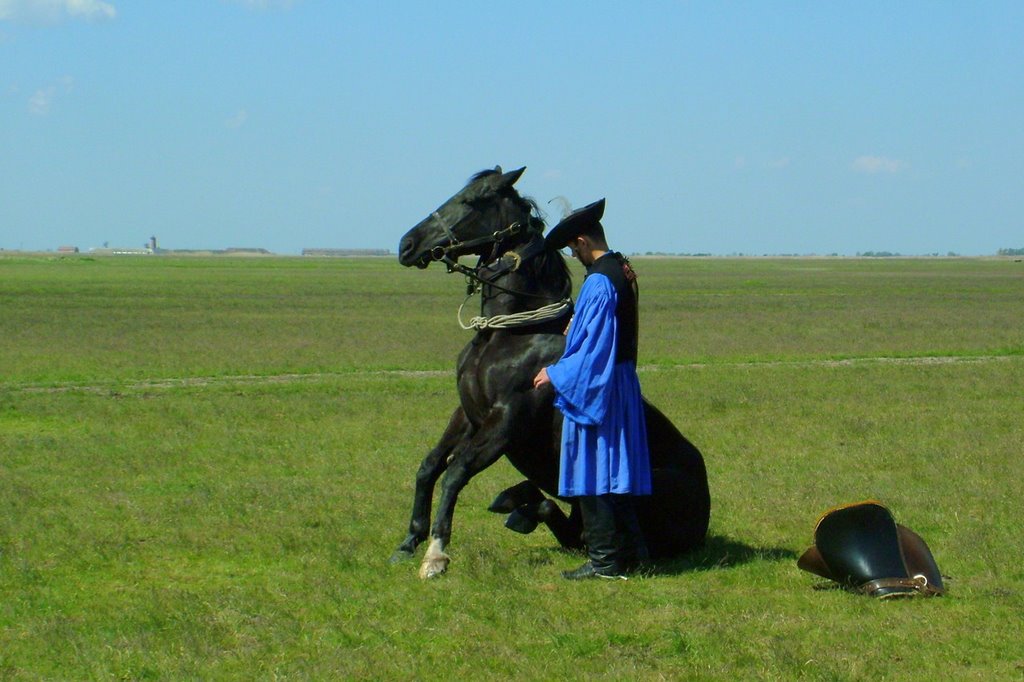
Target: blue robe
(604, 434)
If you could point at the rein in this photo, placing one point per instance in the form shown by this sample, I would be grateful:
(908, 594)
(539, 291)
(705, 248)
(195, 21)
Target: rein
(475, 282)
(552, 311)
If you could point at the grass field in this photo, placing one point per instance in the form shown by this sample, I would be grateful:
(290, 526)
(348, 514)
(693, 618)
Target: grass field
(206, 463)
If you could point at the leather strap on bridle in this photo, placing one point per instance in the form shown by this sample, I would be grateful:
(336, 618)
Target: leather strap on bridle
(443, 253)
(475, 281)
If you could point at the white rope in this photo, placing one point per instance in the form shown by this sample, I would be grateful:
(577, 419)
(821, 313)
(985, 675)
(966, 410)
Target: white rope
(551, 311)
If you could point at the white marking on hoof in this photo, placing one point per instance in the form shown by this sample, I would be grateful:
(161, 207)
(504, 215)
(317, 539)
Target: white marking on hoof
(435, 561)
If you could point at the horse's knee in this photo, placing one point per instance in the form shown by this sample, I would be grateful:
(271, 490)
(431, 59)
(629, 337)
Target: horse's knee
(455, 478)
(510, 499)
(429, 471)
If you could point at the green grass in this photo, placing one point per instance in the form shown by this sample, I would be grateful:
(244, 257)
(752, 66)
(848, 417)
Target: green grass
(206, 463)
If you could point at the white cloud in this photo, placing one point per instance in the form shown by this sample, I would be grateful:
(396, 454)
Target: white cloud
(878, 164)
(42, 99)
(238, 120)
(265, 4)
(56, 10)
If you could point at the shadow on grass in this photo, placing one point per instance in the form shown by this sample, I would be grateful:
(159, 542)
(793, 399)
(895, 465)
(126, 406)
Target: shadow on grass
(719, 551)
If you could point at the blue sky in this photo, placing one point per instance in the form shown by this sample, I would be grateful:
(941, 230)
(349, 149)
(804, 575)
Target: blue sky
(719, 127)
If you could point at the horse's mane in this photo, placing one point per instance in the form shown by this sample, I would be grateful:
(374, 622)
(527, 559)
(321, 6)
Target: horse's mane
(482, 174)
(549, 265)
(528, 204)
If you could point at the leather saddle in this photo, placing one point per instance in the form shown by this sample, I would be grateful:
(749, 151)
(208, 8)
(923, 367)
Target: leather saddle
(861, 547)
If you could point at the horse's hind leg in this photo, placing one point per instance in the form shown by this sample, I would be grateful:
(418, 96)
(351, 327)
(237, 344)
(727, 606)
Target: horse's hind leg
(430, 470)
(675, 518)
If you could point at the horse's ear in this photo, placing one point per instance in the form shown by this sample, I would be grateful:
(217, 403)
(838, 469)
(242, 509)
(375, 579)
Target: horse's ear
(509, 179)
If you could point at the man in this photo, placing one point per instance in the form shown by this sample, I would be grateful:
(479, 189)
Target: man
(604, 455)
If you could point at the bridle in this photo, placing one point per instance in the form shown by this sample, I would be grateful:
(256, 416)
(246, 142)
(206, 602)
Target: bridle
(493, 267)
(474, 280)
(443, 253)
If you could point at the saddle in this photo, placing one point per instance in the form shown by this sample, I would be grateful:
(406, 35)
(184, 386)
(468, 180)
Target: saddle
(861, 547)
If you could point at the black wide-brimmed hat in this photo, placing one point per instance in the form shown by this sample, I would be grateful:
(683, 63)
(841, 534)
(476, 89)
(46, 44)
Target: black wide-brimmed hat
(574, 224)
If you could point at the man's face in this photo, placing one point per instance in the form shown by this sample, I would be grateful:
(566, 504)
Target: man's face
(581, 250)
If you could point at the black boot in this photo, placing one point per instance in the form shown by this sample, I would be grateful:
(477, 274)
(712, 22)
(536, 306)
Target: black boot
(634, 547)
(605, 540)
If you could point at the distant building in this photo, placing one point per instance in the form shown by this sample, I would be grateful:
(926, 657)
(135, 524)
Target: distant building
(242, 251)
(345, 253)
(147, 249)
(67, 249)
(120, 251)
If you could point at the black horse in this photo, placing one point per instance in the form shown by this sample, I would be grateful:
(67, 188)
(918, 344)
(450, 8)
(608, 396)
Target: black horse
(526, 305)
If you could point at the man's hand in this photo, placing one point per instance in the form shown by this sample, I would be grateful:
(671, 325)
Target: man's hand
(542, 378)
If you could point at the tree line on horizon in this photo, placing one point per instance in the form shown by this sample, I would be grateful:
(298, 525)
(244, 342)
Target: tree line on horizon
(859, 254)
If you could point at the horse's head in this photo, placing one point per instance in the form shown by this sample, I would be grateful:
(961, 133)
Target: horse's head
(484, 218)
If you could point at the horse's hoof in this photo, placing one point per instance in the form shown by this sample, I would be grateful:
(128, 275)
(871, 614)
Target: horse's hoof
(545, 509)
(434, 568)
(503, 504)
(401, 556)
(435, 561)
(521, 522)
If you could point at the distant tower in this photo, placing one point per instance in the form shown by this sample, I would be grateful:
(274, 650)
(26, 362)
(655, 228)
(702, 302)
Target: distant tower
(152, 243)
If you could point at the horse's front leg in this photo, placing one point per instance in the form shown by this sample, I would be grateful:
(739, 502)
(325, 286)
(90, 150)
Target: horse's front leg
(568, 530)
(430, 470)
(485, 448)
